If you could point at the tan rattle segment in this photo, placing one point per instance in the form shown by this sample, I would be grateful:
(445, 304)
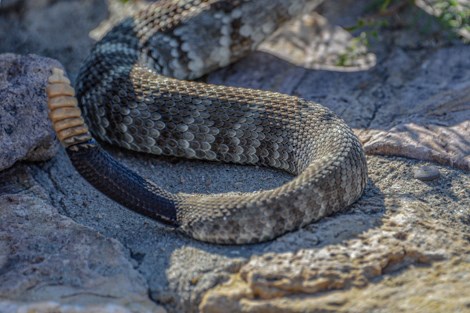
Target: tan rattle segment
(64, 113)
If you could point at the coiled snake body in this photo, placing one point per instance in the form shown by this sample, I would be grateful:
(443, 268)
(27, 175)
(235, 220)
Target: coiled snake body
(128, 98)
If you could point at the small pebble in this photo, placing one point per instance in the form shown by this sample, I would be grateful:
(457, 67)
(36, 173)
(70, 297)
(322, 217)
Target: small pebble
(427, 173)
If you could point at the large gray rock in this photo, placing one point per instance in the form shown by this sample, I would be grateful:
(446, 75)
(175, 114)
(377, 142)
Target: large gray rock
(25, 131)
(435, 129)
(50, 263)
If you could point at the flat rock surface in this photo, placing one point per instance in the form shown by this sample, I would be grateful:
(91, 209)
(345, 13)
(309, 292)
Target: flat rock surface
(404, 246)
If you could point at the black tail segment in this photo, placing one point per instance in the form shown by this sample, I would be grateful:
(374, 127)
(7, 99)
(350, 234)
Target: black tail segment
(98, 167)
(122, 184)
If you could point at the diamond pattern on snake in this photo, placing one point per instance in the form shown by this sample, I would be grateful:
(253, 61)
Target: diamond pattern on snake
(134, 90)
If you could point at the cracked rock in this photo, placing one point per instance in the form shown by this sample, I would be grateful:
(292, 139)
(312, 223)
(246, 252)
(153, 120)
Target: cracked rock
(50, 263)
(432, 130)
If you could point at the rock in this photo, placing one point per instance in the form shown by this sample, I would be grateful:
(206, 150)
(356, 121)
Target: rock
(50, 263)
(427, 173)
(25, 131)
(434, 130)
(56, 307)
(57, 29)
(8, 4)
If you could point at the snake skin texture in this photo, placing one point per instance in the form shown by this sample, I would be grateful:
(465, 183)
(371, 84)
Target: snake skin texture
(133, 93)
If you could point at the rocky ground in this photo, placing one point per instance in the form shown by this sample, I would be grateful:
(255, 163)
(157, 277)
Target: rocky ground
(403, 247)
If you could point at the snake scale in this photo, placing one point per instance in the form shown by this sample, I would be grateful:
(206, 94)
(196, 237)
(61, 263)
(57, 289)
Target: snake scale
(134, 91)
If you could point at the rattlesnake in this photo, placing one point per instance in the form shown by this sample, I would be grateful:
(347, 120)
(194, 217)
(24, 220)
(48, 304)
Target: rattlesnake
(128, 98)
